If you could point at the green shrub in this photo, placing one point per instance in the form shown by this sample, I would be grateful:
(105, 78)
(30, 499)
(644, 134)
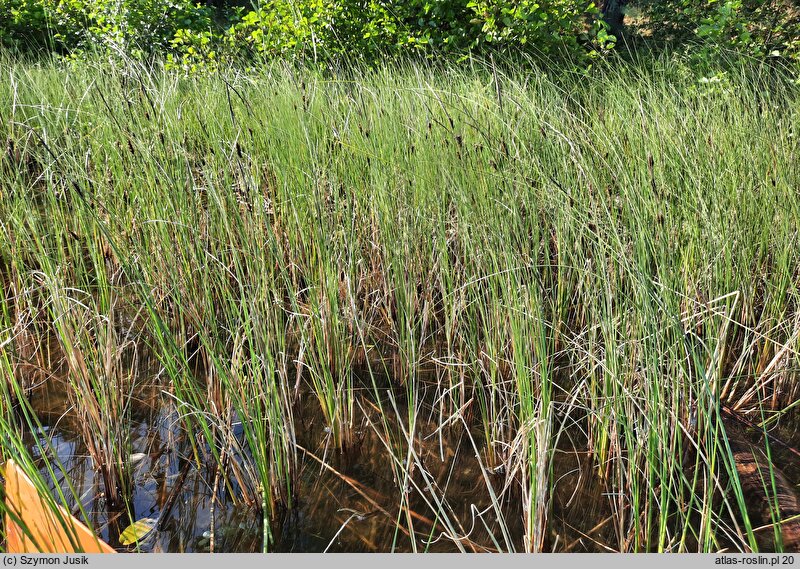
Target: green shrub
(130, 27)
(373, 27)
(193, 37)
(23, 23)
(760, 28)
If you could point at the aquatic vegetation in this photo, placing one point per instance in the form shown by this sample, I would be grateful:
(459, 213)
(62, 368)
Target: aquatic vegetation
(433, 309)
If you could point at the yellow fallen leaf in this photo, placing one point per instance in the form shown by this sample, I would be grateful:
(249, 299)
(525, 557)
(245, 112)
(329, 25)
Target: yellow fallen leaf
(137, 531)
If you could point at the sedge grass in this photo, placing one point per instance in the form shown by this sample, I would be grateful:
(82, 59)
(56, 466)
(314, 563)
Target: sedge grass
(614, 250)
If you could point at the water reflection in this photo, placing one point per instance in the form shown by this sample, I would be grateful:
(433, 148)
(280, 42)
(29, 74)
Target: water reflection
(372, 498)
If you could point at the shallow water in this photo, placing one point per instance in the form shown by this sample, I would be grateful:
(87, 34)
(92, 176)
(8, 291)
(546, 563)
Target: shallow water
(362, 500)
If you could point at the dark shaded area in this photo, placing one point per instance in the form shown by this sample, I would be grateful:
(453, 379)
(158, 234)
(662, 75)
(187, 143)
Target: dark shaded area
(614, 16)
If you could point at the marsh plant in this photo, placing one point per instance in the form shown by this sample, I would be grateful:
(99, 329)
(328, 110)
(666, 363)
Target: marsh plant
(600, 266)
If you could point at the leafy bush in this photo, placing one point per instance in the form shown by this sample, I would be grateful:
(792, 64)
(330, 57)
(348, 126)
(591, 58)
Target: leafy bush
(755, 27)
(370, 27)
(195, 39)
(24, 23)
(132, 27)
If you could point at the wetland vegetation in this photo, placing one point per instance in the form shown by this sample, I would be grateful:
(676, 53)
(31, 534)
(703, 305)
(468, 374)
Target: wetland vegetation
(419, 306)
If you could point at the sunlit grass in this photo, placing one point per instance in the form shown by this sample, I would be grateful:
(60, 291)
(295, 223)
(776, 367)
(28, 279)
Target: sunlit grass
(599, 259)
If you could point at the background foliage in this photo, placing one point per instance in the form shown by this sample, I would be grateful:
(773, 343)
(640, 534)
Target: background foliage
(197, 37)
(760, 28)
